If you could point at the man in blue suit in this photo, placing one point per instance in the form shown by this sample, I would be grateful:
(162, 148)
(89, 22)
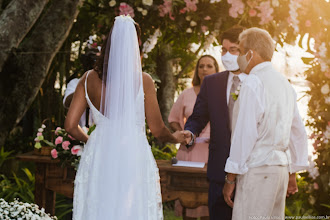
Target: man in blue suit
(214, 104)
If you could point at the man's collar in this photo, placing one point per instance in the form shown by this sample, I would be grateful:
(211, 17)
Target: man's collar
(241, 76)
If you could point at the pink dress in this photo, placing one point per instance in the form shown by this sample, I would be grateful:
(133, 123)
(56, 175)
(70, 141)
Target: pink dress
(180, 112)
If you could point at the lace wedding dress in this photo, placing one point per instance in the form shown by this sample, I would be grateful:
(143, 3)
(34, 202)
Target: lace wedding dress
(118, 178)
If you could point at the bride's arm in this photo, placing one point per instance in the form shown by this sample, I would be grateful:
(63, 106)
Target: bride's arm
(77, 108)
(153, 115)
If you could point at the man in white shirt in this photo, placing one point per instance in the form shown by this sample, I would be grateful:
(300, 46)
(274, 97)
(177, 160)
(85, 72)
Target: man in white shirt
(268, 136)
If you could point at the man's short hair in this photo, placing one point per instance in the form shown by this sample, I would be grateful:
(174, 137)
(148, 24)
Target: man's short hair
(231, 34)
(259, 40)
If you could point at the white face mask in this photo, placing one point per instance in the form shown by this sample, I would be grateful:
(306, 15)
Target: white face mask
(242, 62)
(230, 62)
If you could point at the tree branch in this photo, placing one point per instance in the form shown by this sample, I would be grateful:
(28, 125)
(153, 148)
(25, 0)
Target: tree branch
(15, 22)
(23, 74)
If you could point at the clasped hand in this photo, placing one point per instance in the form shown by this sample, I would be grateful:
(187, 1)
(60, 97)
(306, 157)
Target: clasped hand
(182, 137)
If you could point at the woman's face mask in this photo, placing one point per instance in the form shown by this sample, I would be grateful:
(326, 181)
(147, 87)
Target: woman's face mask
(242, 62)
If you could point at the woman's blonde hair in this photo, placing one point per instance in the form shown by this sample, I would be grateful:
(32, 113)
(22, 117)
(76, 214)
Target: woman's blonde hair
(258, 40)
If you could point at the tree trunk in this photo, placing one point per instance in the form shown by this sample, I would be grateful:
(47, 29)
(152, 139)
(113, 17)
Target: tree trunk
(166, 90)
(15, 22)
(26, 68)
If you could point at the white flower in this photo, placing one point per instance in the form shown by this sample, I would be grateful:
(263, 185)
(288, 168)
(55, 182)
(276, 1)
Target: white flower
(151, 43)
(193, 23)
(139, 9)
(325, 89)
(112, 3)
(188, 18)
(327, 132)
(144, 12)
(43, 126)
(147, 2)
(322, 50)
(275, 3)
(189, 30)
(40, 130)
(327, 100)
(214, 1)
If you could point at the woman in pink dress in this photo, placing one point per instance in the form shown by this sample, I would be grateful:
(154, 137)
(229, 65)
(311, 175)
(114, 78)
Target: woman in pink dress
(181, 110)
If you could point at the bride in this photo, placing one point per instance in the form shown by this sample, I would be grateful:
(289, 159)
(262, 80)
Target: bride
(118, 178)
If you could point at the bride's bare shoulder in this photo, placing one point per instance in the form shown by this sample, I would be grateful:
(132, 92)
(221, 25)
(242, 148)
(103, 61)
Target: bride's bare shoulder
(148, 82)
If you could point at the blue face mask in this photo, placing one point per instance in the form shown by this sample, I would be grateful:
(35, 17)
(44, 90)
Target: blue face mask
(242, 63)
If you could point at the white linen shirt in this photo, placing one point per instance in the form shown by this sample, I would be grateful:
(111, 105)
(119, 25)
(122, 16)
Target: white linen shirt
(268, 129)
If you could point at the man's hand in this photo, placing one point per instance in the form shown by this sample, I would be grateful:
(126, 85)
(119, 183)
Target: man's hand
(180, 137)
(188, 136)
(228, 193)
(292, 186)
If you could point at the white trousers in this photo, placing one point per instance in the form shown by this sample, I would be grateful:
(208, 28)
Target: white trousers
(261, 193)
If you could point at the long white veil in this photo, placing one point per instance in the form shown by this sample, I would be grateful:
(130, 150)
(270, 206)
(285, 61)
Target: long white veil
(122, 72)
(122, 160)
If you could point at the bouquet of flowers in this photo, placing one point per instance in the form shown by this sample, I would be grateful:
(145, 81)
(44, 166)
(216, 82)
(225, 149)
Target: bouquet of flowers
(21, 210)
(40, 140)
(68, 149)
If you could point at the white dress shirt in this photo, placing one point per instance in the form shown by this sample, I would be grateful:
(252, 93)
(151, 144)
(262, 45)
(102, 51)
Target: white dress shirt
(267, 127)
(241, 77)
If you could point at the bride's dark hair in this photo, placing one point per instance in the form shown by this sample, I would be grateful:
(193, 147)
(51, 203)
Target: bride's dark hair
(98, 67)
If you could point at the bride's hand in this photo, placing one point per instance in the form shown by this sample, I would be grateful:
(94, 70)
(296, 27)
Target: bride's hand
(180, 137)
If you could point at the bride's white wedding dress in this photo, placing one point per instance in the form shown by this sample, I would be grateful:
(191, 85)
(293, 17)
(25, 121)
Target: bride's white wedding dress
(117, 181)
(118, 178)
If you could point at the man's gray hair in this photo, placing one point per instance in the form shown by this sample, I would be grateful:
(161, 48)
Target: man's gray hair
(259, 40)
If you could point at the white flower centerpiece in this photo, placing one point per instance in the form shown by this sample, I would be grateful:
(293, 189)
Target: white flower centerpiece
(20, 210)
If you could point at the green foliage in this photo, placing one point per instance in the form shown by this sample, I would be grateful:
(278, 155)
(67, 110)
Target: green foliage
(4, 156)
(18, 187)
(299, 203)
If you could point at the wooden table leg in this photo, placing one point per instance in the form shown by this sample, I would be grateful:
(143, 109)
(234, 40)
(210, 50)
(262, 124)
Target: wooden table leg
(43, 197)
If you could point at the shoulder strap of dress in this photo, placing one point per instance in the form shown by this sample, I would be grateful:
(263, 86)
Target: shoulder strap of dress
(86, 82)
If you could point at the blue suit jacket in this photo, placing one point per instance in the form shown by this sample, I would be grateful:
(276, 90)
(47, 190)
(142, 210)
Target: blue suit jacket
(211, 106)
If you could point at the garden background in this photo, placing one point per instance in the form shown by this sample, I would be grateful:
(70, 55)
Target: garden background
(44, 42)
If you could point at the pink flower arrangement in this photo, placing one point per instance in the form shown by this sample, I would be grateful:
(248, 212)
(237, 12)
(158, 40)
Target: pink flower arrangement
(165, 9)
(54, 153)
(265, 12)
(237, 7)
(58, 140)
(65, 145)
(125, 9)
(190, 6)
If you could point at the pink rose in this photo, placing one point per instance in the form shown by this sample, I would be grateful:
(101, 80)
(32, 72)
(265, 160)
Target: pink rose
(57, 129)
(72, 138)
(36, 140)
(252, 12)
(65, 145)
(207, 18)
(327, 74)
(58, 140)
(204, 28)
(76, 150)
(308, 23)
(39, 134)
(54, 153)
